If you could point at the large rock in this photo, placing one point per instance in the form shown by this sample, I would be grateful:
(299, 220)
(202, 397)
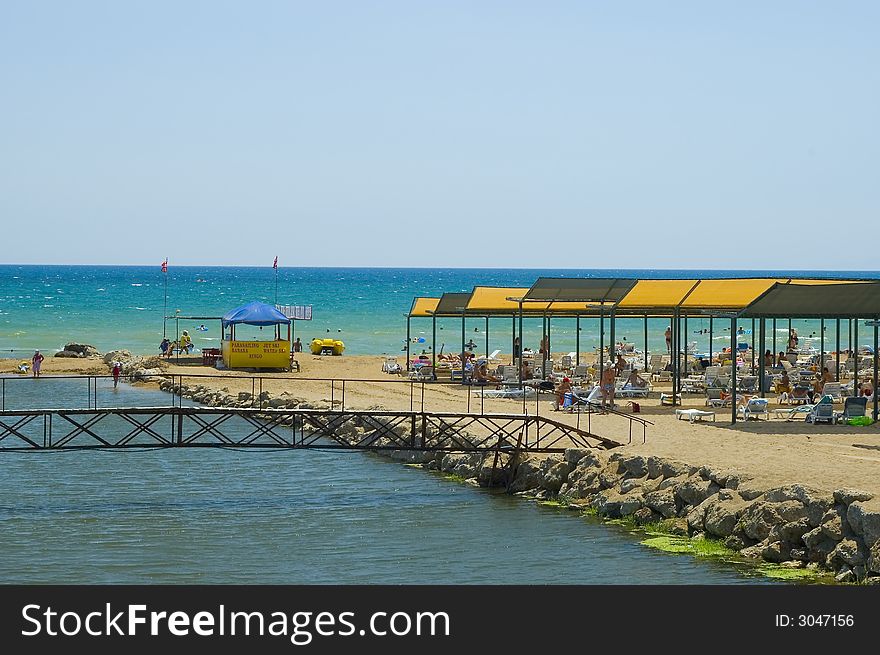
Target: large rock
(634, 466)
(554, 474)
(776, 551)
(874, 558)
(528, 476)
(695, 490)
(847, 495)
(82, 350)
(117, 356)
(721, 515)
(846, 552)
(791, 532)
(864, 519)
(760, 517)
(663, 502)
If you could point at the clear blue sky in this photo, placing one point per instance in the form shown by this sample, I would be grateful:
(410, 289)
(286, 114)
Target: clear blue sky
(416, 133)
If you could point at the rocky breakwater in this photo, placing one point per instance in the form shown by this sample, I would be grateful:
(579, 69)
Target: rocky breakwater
(837, 531)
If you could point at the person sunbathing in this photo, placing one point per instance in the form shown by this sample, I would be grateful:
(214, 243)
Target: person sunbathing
(562, 388)
(635, 381)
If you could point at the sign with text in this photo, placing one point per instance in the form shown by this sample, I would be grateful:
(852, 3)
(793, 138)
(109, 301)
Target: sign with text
(296, 312)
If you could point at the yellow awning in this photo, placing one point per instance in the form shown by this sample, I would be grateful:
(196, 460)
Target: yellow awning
(492, 300)
(656, 294)
(728, 294)
(496, 300)
(423, 307)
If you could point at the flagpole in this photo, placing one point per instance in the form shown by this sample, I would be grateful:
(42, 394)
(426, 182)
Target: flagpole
(165, 306)
(275, 266)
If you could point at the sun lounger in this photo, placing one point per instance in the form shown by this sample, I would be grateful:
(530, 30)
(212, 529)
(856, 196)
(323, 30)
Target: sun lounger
(512, 393)
(694, 414)
(754, 407)
(853, 406)
(822, 412)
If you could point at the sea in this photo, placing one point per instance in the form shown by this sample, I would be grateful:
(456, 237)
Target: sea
(284, 516)
(110, 307)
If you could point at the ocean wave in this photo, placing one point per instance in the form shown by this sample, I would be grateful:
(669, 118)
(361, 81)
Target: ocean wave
(134, 284)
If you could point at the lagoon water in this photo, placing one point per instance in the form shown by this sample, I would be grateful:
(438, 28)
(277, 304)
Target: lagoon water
(235, 516)
(123, 306)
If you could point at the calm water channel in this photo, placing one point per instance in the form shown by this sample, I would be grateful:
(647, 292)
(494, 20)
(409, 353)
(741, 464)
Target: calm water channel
(311, 517)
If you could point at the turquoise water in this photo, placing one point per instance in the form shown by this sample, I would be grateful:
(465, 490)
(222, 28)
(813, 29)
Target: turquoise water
(311, 517)
(122, 307)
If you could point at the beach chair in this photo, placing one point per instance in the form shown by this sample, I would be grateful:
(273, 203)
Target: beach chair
(799, 395)
(493, 358)
(853, 406)
(747, 383)
(390, 365)
(581, 373)
(424, 373)
(566, 363)
(835, 390)
(754, 407)
(822, 412)
(715, 397)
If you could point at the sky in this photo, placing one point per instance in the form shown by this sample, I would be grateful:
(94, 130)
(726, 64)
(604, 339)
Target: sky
(579, 134)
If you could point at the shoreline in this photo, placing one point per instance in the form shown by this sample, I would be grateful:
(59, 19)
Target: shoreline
(805, 526)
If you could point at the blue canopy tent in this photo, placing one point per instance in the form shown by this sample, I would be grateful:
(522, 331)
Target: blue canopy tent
(254, 353)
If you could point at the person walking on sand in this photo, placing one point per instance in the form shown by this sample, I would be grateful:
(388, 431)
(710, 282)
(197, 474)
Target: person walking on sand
(669, 339)
(117, 369)
(607, 387)
(36, 362)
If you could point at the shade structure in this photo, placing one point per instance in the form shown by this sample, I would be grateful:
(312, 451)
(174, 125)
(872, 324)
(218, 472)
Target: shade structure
(651, 294)
(255, 313)
(505, 301)
(795, 300)
(423, 307)
(601, 290)
(452, 304)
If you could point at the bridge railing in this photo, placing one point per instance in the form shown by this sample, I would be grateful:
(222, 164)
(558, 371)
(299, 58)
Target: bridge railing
(258, 391)
(205, 427)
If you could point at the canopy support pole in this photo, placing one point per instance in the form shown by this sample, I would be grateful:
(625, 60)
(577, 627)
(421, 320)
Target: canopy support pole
(513, 340)
(774, 341)
(821, 346)
(522, 346)
(874, 394)
(646, 343)
(463, 351)
(577, 340)
(753, 346)
(762, 365)
(434, 344)
(407, 341)
(601, 342)
(487, 338)
(856, 355)
(676, 363)
(685, 345)
(711, 328)
(733, 371)
(837, 352)
(612, 343)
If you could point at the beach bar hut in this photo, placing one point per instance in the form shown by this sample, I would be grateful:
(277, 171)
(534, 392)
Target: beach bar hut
(272, 352)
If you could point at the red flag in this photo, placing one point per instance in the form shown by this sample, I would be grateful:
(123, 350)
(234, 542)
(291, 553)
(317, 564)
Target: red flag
(275, 265)
(165, 265)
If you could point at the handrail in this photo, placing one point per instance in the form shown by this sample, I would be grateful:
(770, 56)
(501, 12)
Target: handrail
(336, 384)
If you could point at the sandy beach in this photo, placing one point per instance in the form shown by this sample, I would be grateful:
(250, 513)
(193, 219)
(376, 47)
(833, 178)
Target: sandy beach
(773, 452)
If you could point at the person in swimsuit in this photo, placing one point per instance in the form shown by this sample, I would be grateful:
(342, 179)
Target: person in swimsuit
(607, 382)
(36, 362)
